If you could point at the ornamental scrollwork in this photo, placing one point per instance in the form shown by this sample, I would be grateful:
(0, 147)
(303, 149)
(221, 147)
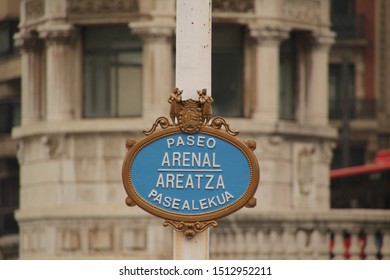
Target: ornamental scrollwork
(191, 115)
(218, 122)
(225, 6)
(35, 10)
(303, 10)
(81, 7)
(162, 121)
(190, 229)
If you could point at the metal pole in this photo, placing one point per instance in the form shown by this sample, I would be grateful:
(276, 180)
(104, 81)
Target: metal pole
(345, 111)
(193, 72)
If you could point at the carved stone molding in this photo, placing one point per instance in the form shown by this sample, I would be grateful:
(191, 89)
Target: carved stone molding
(315, 40)
(323, 41)
(305, 170)
(20, 152)
(29, 42)
(152, 34)
(270, 147)
(326, 152)
(268, 35)
(61, 36)
(308, 11)
(226, 6)
(35, 9)
(69, 239)
(82, 7)
(53, 146)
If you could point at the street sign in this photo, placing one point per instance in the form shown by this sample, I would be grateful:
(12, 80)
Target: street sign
(191, 172)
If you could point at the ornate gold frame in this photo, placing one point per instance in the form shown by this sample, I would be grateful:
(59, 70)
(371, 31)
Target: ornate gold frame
(191, 224)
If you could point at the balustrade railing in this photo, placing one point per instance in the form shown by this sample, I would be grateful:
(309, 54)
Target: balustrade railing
(333, 234)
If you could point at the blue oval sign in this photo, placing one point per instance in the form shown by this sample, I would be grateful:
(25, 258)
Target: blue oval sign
(199, 176)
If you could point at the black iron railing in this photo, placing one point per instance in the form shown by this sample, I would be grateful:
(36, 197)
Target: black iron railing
(356, 109)
(348, 27)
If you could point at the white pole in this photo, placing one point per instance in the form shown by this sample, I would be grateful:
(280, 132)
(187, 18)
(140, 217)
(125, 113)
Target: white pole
(193, 72)
(193, 47)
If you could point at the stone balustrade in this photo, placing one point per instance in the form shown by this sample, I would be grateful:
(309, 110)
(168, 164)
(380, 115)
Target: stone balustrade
(333, 234)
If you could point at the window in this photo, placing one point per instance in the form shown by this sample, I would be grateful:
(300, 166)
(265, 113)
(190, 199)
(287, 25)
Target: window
(341, 103)
(112, 72)
(7, 31)
(287, 79)
(9, 114)
(345, 22)
(9, 196)
(9, 105)
(227, 70)
(345, 8)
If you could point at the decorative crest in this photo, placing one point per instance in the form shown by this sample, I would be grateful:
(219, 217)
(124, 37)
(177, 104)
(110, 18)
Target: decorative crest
(190, 119)
(191, 115)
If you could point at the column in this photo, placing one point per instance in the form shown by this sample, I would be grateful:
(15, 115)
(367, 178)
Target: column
(157, 68)
(317, 94)
(339, 247)
(267, 42)
(370, 249)
(61, 74)
(386, 244)
(32, 71)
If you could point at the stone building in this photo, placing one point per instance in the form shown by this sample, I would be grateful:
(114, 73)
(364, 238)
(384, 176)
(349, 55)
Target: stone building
(96, 72)
(10, 86)
(358, 98)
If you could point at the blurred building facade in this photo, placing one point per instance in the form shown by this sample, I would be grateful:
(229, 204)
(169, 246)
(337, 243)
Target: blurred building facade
(10, 92)
(95, 73)
(358, 97)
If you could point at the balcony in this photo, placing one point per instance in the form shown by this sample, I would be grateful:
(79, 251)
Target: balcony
(364, 108)
(329, 234)
(348, 27)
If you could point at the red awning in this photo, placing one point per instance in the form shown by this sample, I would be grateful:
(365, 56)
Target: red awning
(382, 162)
